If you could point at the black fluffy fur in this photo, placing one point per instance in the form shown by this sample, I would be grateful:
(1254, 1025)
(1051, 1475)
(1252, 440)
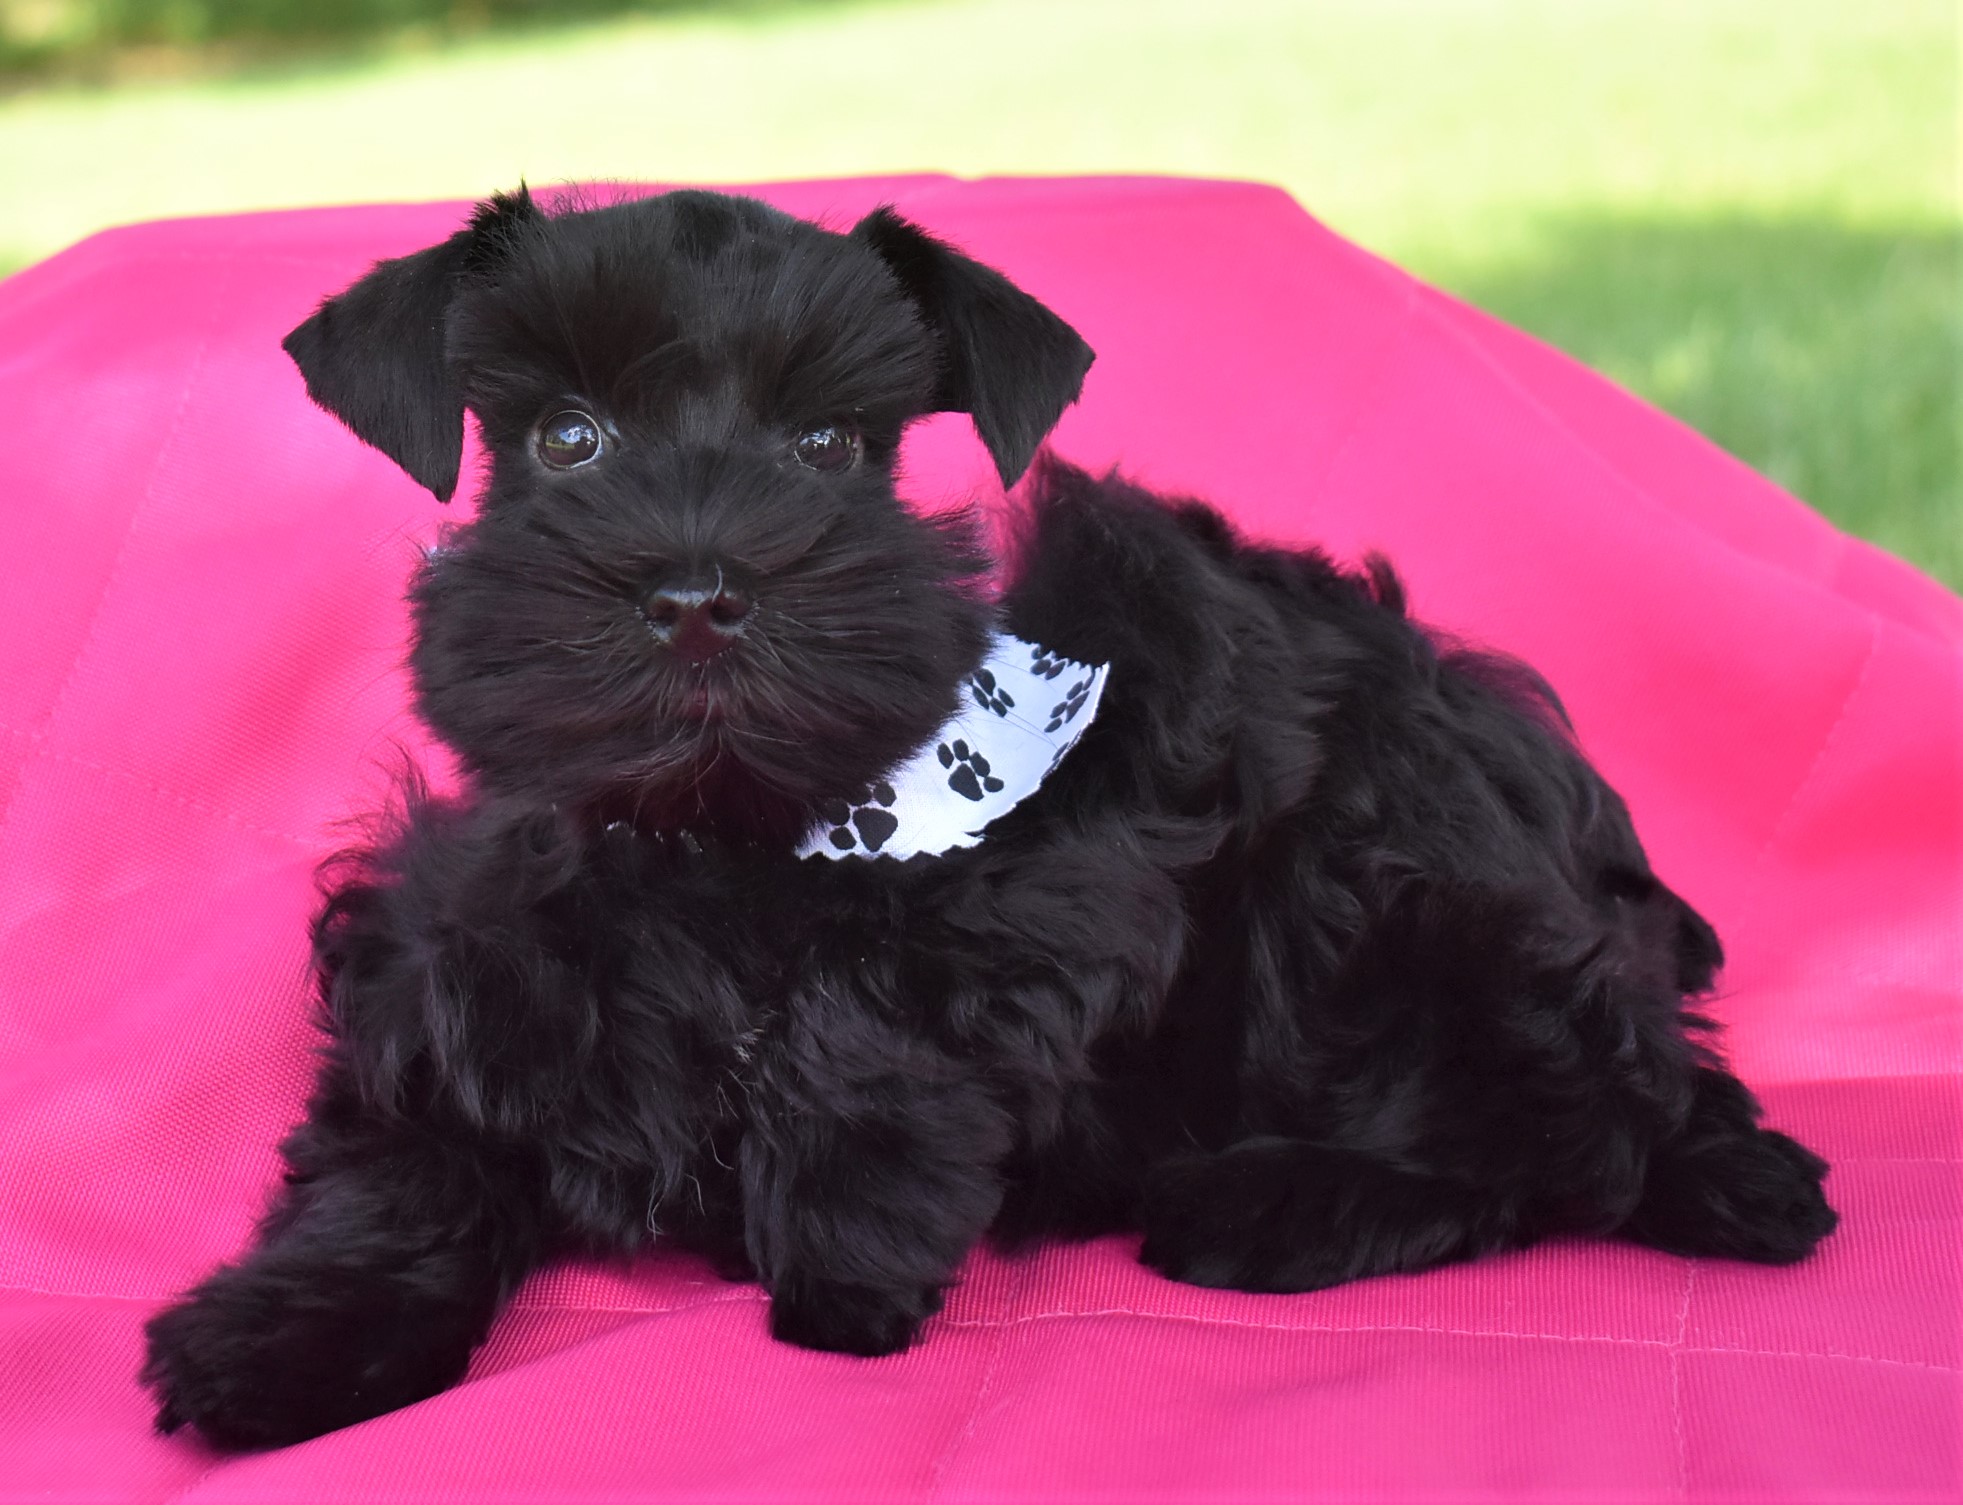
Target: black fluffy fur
(1324, 954)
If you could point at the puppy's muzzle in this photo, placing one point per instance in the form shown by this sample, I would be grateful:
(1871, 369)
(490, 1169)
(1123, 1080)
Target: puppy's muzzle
(695, 620)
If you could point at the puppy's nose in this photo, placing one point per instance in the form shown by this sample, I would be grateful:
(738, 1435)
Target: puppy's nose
(697, 621)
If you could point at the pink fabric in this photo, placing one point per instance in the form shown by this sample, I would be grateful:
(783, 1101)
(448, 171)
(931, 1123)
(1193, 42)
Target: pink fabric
(200, 627)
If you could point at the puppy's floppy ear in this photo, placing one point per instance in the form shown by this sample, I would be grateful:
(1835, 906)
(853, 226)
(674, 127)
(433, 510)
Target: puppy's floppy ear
(1005, 359)
(373, 356)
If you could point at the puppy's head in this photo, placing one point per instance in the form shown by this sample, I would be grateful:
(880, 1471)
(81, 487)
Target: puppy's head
(690, 595)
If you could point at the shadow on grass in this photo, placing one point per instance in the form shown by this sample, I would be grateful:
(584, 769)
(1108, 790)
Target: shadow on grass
(112, 41)
(1828, 356)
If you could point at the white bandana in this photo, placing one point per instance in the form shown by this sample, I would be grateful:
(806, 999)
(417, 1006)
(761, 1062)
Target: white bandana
(1024, 709)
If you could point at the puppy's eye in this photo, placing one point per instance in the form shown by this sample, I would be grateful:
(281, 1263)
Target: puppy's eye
(568, 439)
(833, 447)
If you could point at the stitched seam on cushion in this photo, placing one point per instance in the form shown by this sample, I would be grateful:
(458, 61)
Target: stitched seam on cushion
(938, 1474)
(1852, 548)
(1832, 1354)
(191, 378)
(55, 755)
(1202, 1320)
(1387, 353)
(1826, 744)
(1452, 1332)
(1554, 420)
(1827, 1355)
(1676, 1384)
(755, 1297)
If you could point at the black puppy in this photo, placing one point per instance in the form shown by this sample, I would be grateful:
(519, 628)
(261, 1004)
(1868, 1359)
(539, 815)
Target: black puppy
(1323, 953)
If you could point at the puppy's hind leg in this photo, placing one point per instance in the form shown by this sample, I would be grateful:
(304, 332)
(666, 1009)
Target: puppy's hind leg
(1274, 1214)
(1726, 1187)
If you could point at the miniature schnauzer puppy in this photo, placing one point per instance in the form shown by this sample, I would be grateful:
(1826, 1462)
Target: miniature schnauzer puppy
(1298, 939)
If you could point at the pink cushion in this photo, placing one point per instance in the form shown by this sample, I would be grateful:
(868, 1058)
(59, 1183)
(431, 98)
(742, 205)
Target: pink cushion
(200, 624)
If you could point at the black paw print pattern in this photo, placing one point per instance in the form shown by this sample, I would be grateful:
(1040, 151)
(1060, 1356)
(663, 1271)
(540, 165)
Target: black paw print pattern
(863, 820)
(989, 695)
(1044, 664)
(1067, 708)
(970, 776)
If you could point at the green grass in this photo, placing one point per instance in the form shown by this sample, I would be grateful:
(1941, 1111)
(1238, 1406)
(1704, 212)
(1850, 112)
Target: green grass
(1825, 353)
(1745, 211)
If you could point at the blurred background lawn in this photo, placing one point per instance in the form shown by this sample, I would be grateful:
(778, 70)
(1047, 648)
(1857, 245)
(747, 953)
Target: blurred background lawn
(1745, 210)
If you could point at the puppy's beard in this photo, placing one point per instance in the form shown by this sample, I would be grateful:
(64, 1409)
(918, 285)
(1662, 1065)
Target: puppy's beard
(712, 772)
(695, 783)
(722, 765)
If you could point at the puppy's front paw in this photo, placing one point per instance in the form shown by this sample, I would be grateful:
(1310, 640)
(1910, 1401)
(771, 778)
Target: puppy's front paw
(254, 1361)
(842, 1318)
